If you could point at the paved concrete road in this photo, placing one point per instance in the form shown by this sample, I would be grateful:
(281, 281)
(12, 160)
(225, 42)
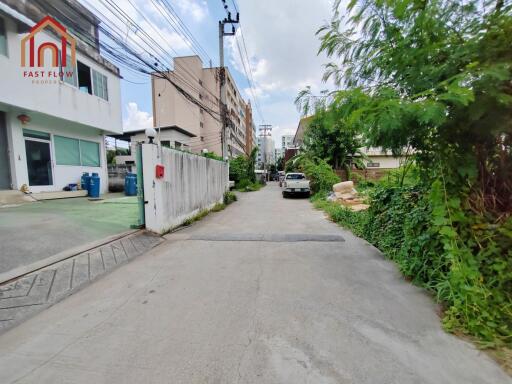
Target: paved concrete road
(215, 304)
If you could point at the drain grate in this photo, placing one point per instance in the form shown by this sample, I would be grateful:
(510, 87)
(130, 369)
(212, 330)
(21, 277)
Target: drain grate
(270, 237)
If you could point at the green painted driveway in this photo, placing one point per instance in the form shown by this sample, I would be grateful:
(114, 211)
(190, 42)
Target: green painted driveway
(35, 231)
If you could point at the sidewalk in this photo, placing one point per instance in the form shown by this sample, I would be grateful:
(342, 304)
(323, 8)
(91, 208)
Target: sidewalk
(32, 293)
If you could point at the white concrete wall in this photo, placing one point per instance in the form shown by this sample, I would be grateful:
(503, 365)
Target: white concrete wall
(384, 161)
(190, 184)
(62, 174)
(60, 100)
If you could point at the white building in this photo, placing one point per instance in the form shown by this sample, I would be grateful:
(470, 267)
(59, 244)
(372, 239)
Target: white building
(266, 152)
(278, 153)
(376, 158)
(286, 142)
(53, 118)
(254, 135)
(169, 137)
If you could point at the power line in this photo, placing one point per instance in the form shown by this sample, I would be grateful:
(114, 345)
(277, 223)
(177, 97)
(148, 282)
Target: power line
(124, 18)
(191, 85)
(248, 73)
(185, 28)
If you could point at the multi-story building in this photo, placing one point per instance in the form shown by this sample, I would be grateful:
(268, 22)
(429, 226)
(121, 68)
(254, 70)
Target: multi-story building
(298, 138)
(250, 130)
(279, 152)
(58, 95)
(266, 152)
(286, 142)
(254, 135)
(260, 155)
(172, 107)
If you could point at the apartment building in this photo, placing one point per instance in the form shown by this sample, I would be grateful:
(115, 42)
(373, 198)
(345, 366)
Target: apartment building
(278, 153)
(266, 152)
(254, 136)
(286, 142)
(58, 97)
(250, 130)
(172, 108)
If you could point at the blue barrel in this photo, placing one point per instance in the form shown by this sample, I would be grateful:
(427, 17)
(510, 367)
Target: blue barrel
(84, 181)
(130, 184)
(94, 186)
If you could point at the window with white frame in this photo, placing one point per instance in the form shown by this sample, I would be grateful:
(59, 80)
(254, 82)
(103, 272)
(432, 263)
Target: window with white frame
(85, 78)
(99, 82)
(3, 38)
(70, 151)
(68, 72)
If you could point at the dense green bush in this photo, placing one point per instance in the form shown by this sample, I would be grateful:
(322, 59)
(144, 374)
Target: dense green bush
(429, 82)
(213, 155)
(229, 197)
(246, 185)
(320, 175)
(460, 257)
(238, 169)
(318, 172)
(241, 168)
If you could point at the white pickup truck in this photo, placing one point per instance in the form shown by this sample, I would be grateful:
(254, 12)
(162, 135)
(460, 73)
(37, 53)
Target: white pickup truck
(295, 183)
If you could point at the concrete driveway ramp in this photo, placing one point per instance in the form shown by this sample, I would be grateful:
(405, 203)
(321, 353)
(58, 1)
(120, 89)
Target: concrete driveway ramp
(13, 198)
(24, 296)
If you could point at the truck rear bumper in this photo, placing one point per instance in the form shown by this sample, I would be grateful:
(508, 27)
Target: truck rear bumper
(296, 192)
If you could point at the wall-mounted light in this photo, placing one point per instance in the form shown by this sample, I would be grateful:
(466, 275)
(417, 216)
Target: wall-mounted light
(151, 134)
(25, 119)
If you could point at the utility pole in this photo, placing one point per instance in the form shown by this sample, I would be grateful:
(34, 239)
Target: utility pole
(265, 132)
(222, 75)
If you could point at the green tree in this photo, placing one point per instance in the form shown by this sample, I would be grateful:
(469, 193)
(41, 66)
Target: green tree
(332, 135)
(241, 168)
(436, 77)
(280, 164)
(112, 153)
(111, 156)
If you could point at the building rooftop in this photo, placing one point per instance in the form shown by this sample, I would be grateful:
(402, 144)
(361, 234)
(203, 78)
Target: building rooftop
(126, 136)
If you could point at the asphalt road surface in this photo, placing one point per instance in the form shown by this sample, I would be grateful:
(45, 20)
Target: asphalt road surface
(267, 291)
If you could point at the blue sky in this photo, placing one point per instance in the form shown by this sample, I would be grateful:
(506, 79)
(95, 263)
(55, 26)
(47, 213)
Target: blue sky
(280, 39)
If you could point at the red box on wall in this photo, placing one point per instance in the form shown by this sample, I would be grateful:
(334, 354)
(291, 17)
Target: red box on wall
(159, 171)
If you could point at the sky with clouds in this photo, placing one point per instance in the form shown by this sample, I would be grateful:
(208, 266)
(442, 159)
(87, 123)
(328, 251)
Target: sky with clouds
(280, 40)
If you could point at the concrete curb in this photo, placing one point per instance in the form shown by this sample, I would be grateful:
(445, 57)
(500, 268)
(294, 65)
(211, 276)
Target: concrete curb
(26, 269)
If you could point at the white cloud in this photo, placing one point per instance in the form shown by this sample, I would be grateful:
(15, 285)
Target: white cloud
(198, 10)
(284, 47)
(136, 119)
(281, 41)
(152, 20)
(165, 37)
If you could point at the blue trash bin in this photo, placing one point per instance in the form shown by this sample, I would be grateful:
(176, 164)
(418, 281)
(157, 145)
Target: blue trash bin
(130, 184)
(94, 186)
(84, 181)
